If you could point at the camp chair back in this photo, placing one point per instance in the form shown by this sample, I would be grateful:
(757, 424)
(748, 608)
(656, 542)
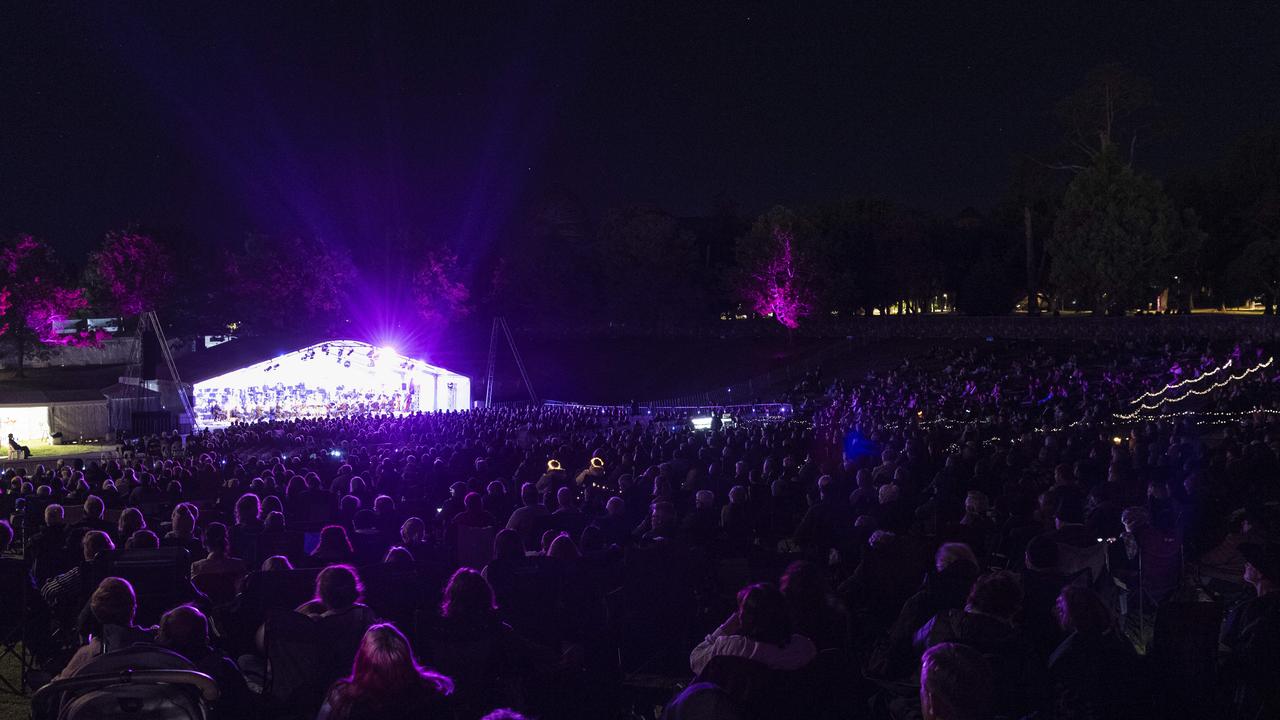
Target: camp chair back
(158, 576)
(219, 587)
(475, 546)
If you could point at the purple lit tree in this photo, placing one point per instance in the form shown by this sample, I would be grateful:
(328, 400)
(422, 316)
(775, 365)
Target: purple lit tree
(439, 295)
(776, 278)
(34, 301)
(131, 273)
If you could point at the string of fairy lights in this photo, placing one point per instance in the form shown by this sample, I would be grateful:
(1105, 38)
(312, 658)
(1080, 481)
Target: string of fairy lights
(1120, 420)
(1196, 393)
(1182, 383)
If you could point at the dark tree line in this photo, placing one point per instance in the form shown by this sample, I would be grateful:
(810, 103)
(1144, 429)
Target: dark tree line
(1082, 226)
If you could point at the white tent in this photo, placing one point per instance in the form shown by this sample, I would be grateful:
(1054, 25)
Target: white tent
(340, 377)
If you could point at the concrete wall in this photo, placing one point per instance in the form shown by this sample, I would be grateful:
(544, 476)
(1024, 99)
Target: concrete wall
(114, 351)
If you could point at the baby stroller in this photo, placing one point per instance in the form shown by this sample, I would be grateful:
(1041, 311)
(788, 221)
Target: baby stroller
(138, 683)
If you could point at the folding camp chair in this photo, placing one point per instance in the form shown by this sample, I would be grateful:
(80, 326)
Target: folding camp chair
(14, 596)
(159, 576)
(475, 546)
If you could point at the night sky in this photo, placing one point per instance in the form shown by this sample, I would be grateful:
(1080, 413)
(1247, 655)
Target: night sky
(354, 122)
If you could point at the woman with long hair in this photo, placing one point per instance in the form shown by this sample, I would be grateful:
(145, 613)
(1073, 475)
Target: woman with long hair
(471, 644)
(334, 546)
(385, 682)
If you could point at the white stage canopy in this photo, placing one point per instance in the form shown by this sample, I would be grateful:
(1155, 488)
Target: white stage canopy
(342, 377)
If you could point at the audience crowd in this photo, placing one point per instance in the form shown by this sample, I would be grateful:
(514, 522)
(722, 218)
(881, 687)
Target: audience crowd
(1000, 532)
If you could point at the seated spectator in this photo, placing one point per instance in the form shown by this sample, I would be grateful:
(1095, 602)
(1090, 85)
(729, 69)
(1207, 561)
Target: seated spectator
(413, 537)
(334, 547)
(130, 522)
(976, 529)
(986, 624)
(736, 517)
(66, 593)
(568, 516)
(218, 561)
(496, 501)
(338, 591)
(474, 514)
(1041, 585)
(182, 531)
(398, 558)
(945, 588)
(273, 522)
(142, 540)
(45, 551)
(760, 630)
(701, 526)
(185, 630)
(1251, 634)
(614, 525)
(563, 548)
(94, 509)
(1068, 523)
(526, 518)
(275, 563)
(112, 605)
(386, 683)
(1094, 670)
(956, 683)
(470, 644)
(661, 524)
(815, 611)
(388, 520)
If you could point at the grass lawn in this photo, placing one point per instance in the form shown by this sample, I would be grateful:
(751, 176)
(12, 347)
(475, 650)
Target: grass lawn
(59, 451)
(42, 451)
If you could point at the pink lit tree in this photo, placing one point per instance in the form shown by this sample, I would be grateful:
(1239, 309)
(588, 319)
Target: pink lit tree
(776, 278)
(34, 302)
(439, 294)
(131, 273)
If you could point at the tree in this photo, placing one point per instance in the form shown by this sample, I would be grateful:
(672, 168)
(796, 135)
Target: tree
(1030, 206)
(438, 294)
(36, 302)
(775, 275)
(1239, 201)
(1112, 111)
(1257, 270)
(279, 283)
(990, 288)
(870, 254)
(544, 268)
(131, 273)
(1115, 237)
(649, 268)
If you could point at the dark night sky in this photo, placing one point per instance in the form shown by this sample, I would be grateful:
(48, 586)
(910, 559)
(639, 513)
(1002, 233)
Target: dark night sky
(354, 122)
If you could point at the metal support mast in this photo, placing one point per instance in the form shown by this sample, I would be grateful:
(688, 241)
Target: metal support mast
(500, 324)
(150, 318)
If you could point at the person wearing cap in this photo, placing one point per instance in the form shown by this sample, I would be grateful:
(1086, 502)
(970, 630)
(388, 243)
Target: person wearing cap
(1251, 634)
